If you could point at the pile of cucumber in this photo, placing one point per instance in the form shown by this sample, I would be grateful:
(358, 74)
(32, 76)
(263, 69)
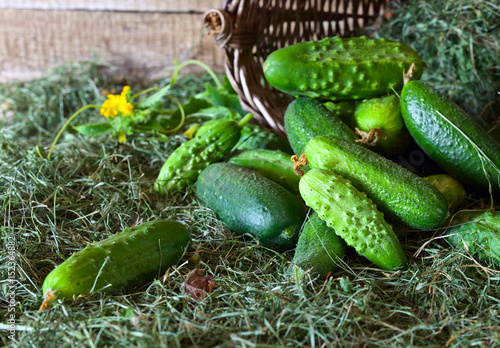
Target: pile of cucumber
(346, 177)
(358, 102)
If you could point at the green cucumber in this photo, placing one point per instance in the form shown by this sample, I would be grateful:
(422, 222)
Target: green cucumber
(396, 191)
(307, 118)
(319, 250)
(255, 137)
(344, 110)
(338, 68)
(273, 164)
(450, 137)
(251, 204)
(183, 166)
(353, 216)
(120, 263)
(480, 231)
(451, 189)
(252, 137)
(382, 117)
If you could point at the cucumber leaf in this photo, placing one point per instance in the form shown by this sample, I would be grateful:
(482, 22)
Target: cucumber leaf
(94, 129)
(220, 97)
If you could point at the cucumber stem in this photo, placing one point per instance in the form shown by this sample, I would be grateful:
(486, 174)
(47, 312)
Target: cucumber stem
(409, 74)
(245, 120)
(66, 124)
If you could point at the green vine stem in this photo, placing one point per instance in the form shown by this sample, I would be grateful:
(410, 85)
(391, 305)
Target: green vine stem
(67, 123)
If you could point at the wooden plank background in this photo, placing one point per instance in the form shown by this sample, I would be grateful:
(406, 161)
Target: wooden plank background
(135, 37)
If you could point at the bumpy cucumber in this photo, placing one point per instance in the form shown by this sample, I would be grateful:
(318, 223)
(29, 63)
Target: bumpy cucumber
(396, 191)
(273, 164)
(255, 137)
(319, 250)
(249, 203)
(451, 189)
(119, 263)
(353, 216)
(480, 231)
(307, 118)
(381, 117)
(252, 137)
(183, 166)
(338, 68)
(458, 144)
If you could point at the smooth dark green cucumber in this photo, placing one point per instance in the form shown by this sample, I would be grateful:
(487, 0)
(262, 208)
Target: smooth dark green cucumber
(307, 118)
(122, 262)
(353, 216)
(273, 164)
(338, 68)
(319, 249)
(451, 138)
(249, 203)
(395, 190)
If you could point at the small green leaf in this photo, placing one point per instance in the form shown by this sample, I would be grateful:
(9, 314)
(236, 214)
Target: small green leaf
(94, 129)
(155, 98)
(223, 98)
(217, 112)
(192, 106)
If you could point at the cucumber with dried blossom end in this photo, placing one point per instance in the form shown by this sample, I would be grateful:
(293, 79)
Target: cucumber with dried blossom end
(120, 263)
(183, 166)
(353, 216)
(451, 137)
(379, 122)
(399, 193)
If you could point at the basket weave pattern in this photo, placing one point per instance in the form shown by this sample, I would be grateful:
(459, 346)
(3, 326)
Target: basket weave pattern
(249, 31)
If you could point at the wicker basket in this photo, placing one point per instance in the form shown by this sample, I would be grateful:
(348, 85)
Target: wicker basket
(249, 31)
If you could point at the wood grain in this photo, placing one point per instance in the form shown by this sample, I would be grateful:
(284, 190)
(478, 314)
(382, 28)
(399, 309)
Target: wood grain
(31, 41)
(114, 5)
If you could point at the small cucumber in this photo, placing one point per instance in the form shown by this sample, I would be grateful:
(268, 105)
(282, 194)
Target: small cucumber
(249, 203)
(338, 68)
(353, 216)
(381, 117)
(255, 137)
(480, 231)
(307, 118)
(395, 190)
(272, 164)
(183, 166)
(451, 138)
(120, 263)
(252, 137)
(451, 189)
(319, 250)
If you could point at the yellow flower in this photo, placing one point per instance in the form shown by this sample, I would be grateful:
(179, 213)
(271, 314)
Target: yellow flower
(117, 105)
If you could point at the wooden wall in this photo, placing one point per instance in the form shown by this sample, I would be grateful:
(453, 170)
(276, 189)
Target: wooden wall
(140, 37)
